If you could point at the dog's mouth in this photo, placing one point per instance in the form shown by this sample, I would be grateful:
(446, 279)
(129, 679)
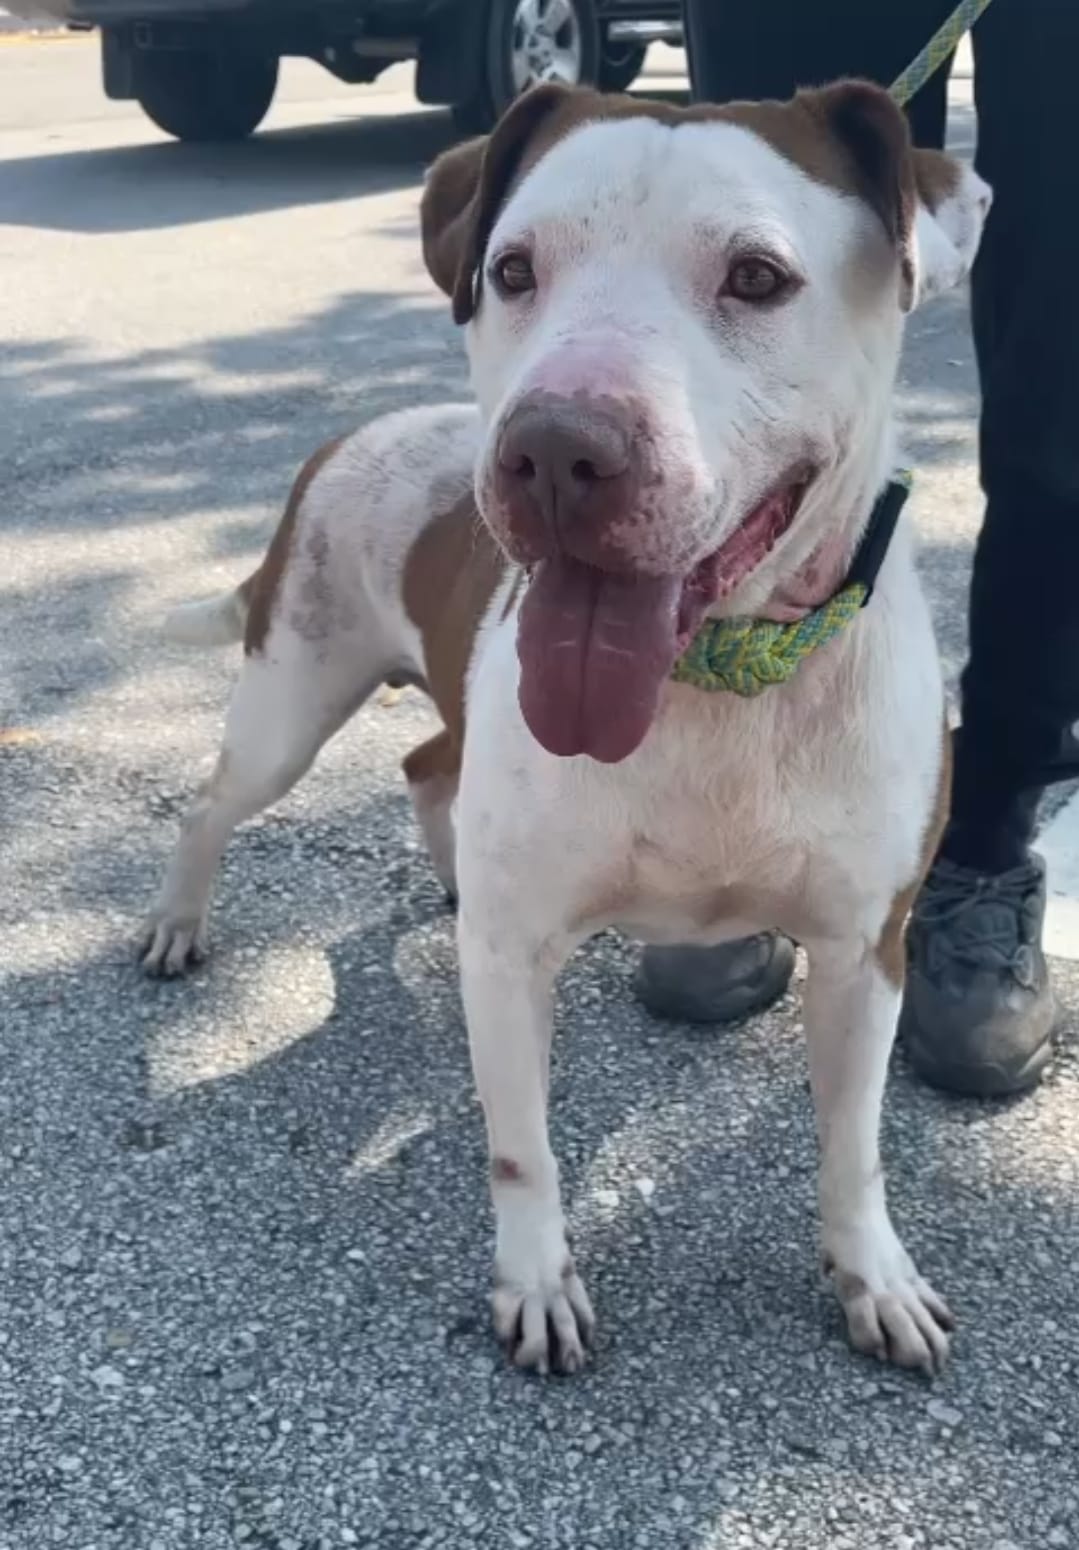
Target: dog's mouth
(595, 647)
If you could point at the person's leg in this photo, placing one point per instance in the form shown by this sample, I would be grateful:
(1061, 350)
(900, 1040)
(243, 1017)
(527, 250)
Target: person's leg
(750, 51)
(978, 1010)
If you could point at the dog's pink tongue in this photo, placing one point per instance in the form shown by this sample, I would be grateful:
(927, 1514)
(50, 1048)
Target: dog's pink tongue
(594, 652)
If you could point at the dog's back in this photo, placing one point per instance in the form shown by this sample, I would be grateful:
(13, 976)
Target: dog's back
(376, 560)
(339, 557)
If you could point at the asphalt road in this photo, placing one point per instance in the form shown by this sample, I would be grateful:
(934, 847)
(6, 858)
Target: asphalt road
(243, 1232)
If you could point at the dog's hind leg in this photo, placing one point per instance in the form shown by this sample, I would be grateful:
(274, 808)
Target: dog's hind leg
(432, 772)
(289, 700)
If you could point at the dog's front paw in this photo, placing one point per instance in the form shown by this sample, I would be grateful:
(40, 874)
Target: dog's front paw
(171, 945)
(891, 1312)
(544, 1321)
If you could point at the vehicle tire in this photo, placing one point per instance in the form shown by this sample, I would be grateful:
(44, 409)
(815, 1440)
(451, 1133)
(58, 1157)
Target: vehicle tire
(529, 41)
(619, 63)
(197, 94)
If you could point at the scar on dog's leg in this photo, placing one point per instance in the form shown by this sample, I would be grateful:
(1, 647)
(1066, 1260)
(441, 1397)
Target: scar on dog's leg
(851, 1009)
(432, 772)
(283, 710)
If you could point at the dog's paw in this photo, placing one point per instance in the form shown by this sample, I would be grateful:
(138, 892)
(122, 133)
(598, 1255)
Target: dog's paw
(546, 1326)
(891, 1312)
(170, 946)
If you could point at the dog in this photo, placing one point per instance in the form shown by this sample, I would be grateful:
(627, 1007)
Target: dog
(683, 327)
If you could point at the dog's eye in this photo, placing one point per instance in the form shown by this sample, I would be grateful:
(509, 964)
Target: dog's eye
(755, 279)
(513, 274)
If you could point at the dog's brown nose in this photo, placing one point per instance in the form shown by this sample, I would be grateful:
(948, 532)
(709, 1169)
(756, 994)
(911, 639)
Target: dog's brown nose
(561, 461)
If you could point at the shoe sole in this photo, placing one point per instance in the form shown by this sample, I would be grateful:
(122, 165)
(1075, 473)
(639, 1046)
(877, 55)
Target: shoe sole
(984, 1081)
(989, 1080)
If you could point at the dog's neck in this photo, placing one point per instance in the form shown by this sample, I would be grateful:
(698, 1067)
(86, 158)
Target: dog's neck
(818, 579)
(811, 565)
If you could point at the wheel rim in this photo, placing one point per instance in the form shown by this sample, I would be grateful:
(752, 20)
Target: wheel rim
(545, 43)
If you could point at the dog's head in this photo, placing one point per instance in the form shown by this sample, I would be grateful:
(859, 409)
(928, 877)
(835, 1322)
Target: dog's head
(684, 326)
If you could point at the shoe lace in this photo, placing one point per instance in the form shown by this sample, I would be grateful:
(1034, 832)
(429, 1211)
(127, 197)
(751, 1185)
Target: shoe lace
(981, 921)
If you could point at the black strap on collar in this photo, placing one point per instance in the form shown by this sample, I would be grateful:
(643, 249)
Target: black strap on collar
(869, 556)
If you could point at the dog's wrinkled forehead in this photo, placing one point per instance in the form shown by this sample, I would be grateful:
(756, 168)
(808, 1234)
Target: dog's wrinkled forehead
(832, 162)
(636, 183)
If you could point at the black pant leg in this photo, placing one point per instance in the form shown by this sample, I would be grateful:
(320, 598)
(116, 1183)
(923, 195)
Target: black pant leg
(1021, 686)
(768, 48)
(1020, 690)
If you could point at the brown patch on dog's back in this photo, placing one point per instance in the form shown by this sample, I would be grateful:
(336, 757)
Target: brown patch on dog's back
(260, 589)
(450, 576)
(891, 949)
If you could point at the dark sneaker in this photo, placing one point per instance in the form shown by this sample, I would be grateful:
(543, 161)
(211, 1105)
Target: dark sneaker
(978, 1008)
(715, 984)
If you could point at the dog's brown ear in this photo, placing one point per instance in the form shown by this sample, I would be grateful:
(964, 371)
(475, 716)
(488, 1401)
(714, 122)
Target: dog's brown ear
(446, 210)
(872, 131)
(465, 190)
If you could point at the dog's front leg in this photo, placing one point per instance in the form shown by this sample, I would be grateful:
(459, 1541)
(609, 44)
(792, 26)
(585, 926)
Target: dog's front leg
(851, 1010)
(541, 1310)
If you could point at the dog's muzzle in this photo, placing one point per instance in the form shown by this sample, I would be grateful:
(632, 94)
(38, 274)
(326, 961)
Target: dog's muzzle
(566, 478)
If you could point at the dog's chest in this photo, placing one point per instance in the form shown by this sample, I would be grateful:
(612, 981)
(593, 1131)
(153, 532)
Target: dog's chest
(802, 808)
(736, 832)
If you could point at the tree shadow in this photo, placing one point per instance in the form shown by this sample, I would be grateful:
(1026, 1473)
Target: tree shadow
(165, 420)
(184, 452)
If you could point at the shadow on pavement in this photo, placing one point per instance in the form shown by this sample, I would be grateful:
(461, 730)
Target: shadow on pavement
(147, 187)
(152, 187)
(253, 1204)
(281, 1195)
(160, 437)
(165, 432)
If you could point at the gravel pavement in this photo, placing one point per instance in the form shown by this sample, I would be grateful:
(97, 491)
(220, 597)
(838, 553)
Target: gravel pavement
(244, 1236)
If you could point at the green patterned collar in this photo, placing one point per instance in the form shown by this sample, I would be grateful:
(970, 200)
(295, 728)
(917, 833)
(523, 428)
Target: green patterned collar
(747, 656)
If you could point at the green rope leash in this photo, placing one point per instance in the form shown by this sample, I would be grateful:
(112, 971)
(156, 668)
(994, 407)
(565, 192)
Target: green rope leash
(937, 50)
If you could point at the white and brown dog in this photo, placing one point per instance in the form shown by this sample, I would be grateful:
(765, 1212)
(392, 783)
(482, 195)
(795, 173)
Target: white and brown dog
(683, 327)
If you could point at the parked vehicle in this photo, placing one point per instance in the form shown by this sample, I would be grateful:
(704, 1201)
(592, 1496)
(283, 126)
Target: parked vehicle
(207, 69)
